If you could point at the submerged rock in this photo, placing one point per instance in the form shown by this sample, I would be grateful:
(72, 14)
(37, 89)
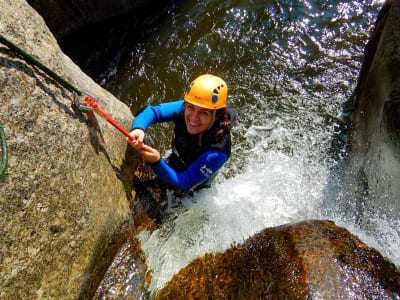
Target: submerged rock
(307, 260)
(67, 189)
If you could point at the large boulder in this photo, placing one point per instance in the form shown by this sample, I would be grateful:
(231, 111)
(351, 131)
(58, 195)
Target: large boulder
(307, 260)
(67, 188)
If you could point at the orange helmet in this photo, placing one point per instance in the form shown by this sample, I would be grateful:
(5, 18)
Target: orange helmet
(208, 91)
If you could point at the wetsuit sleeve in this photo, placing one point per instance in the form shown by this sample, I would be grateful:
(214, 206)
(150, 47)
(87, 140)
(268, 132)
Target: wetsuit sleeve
(205, 166)
(157, 113)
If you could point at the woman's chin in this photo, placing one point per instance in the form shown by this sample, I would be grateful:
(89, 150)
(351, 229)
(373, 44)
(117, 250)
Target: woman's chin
(192, 130)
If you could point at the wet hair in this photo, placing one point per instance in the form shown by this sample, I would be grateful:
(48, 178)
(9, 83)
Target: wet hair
(221, 126)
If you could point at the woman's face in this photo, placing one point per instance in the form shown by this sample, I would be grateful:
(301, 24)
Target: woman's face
(197, 119)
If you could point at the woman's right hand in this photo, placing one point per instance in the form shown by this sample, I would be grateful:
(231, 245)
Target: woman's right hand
(138, 137)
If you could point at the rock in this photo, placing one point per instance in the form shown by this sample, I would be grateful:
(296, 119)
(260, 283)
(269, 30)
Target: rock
(64, 17)
(126, 274)
(372, 167)
(66, 192)
(93, 33)
(307, 260)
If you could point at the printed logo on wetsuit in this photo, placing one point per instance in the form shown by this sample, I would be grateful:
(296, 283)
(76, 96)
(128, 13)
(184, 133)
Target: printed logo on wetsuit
(206, 171)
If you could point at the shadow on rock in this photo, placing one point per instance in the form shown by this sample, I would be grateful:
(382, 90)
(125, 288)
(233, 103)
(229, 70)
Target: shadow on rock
(151, 198)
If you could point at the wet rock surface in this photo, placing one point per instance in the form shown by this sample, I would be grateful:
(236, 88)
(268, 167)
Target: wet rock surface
(126, 276)
(67, 189)
(373, 163)
(307, 260)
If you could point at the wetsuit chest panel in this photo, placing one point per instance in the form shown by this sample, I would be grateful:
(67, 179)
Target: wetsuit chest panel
(187, 146)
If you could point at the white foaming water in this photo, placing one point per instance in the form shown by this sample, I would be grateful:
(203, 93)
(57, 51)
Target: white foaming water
(274, 190)
(269, 193)
(384, 235)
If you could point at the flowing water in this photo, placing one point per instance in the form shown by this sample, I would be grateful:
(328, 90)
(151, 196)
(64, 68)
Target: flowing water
(289, 65)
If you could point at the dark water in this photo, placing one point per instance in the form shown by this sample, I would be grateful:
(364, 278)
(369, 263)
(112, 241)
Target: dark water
(289, 65)
(278, 58)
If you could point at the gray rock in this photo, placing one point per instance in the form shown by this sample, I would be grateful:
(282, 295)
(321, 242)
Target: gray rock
(372, 168)
(66, 192)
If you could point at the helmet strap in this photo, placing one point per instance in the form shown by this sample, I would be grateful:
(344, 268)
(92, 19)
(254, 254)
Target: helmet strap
(209, 127)
(213, 119)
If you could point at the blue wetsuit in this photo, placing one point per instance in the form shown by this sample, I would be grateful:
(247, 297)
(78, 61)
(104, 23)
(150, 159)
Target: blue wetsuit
(197, 170)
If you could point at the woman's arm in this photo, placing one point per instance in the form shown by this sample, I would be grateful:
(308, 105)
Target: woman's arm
(158, 113)
(205, 166)
(152, 114)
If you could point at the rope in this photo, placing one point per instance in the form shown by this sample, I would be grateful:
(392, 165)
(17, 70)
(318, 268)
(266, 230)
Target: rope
(4, 151)
(63, 83)
(56, 77)
(37, 63)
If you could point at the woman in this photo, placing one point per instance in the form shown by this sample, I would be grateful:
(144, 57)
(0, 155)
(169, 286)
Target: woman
(202, 140)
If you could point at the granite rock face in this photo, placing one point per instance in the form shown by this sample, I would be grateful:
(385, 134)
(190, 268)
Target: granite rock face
(66, 191)
(307, 260)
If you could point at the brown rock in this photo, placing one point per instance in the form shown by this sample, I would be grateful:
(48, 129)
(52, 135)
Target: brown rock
(126, 274)
(307, 260)
(66, 192)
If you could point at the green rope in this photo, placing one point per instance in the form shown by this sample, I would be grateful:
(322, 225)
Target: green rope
(4, 150)
(37, 63)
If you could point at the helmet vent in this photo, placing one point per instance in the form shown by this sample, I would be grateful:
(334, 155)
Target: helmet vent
(215, 91)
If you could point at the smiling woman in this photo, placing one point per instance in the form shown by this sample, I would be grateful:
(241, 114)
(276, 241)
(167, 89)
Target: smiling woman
(197, 119)
(202, 141)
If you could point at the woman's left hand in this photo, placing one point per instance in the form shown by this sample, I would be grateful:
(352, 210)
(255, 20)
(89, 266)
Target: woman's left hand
(149, 154)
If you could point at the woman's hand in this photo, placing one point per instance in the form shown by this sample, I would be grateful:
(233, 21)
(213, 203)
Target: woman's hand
(138, 137)
(149, 154)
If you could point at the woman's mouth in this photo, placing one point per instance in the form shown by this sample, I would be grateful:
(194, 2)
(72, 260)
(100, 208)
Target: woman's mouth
(192, 128)
(192, 124)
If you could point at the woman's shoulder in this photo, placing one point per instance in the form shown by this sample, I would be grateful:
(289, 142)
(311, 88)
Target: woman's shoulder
(223, 144)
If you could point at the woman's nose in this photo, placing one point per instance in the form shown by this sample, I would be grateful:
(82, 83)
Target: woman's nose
(195, 115)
